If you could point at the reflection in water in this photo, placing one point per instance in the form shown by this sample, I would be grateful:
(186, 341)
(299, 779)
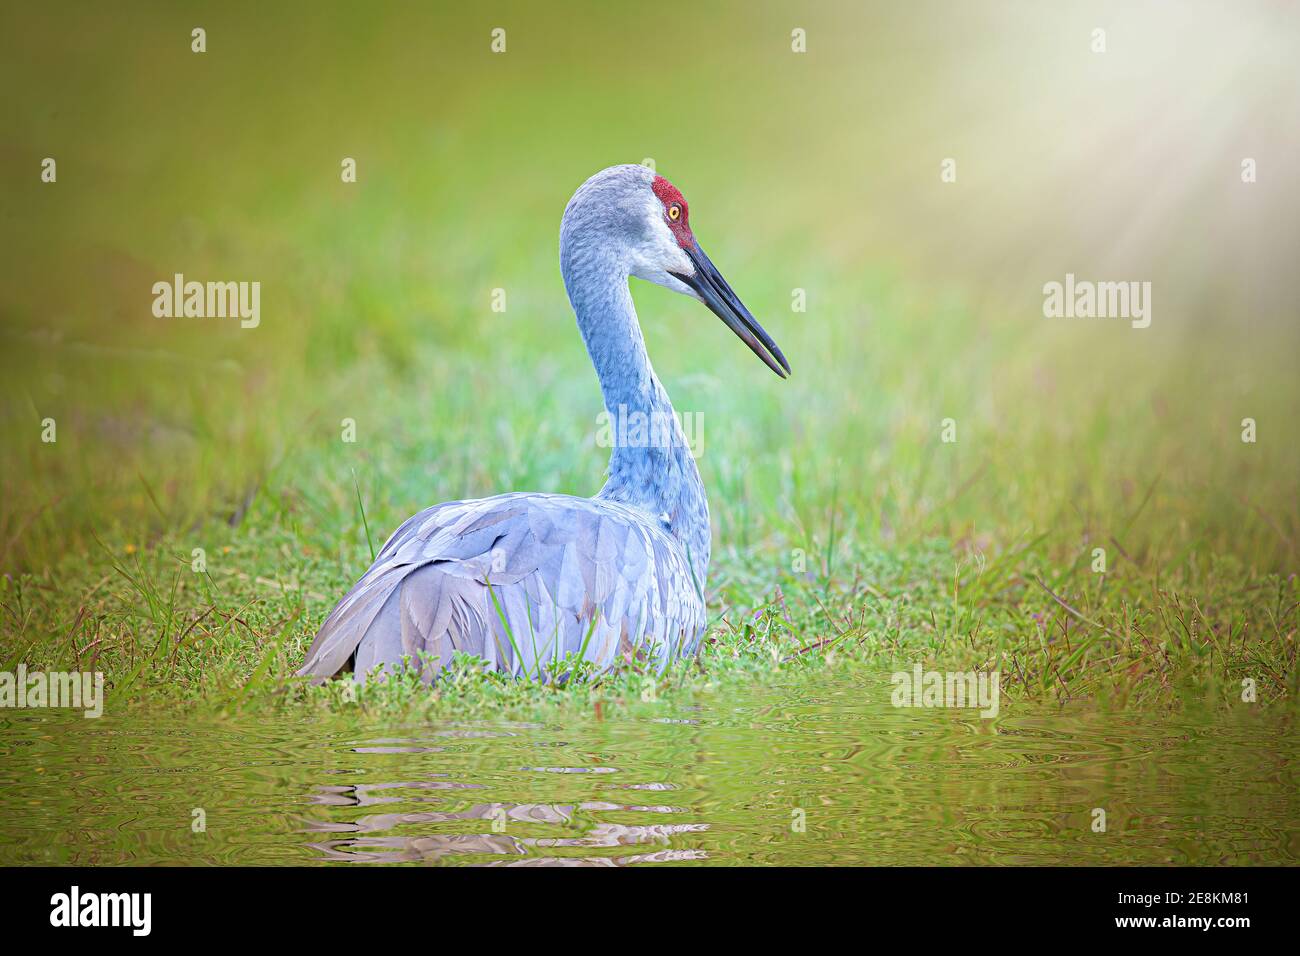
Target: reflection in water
(778, 777)
(430, 847)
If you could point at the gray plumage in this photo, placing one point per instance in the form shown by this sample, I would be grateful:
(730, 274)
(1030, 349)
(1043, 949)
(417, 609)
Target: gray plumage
(522, 580)
(564, 572)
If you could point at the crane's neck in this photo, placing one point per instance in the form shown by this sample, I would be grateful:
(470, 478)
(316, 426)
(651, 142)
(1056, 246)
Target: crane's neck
(650, 464)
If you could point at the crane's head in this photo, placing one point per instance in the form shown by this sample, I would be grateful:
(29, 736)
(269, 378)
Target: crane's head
(628, 219)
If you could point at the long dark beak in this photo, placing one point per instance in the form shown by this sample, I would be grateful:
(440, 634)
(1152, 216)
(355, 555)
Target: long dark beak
(726, 305)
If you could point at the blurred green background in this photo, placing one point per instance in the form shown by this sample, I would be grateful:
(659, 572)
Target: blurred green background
(817, 171)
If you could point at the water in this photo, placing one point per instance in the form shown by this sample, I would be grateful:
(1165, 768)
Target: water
(727, 782)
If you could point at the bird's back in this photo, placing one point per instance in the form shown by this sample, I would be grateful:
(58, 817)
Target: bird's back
(521, 581)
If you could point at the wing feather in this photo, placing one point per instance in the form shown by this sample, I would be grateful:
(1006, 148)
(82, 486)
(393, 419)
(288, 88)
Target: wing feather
(556, 568)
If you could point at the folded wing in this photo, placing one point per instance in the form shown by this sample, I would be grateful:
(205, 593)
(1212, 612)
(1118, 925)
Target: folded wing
(521, 581)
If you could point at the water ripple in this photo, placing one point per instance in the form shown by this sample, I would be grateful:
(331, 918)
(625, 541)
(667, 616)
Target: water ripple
(781, 777)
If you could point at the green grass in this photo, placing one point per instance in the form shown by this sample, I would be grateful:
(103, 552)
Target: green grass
(873, 565)
(847, 534)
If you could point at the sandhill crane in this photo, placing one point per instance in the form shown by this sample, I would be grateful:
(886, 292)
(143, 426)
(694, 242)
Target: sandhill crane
(525, 580)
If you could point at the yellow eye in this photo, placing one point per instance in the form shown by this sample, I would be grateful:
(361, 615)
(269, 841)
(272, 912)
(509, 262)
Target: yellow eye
(674, 212)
